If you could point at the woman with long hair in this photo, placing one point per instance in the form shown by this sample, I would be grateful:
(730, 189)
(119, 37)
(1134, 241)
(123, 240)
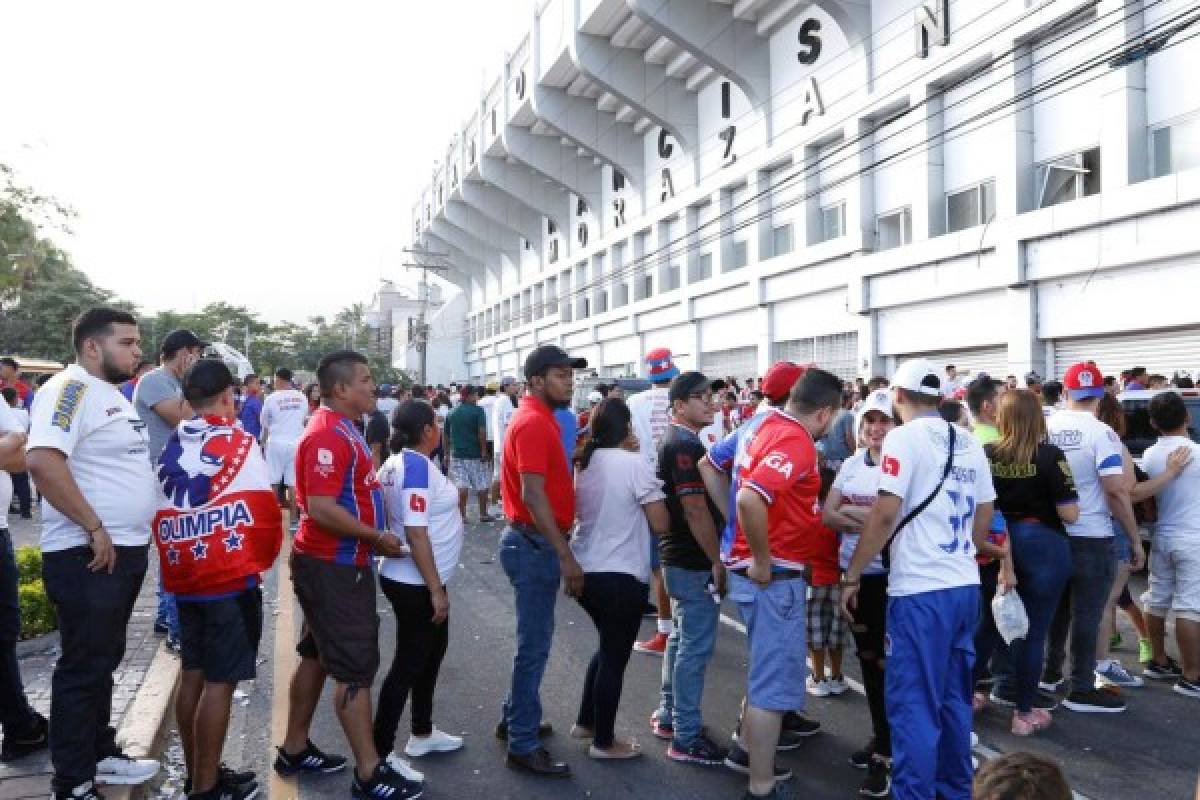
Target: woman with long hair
(422, 509)
(619, 503)
(1036, 494)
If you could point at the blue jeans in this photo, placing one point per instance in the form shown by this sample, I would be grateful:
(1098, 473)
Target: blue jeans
(168, 612)
(1042, 559)
(15, 714)
(533, 570)
(1093, 567)
(930, 653)
(689, 648)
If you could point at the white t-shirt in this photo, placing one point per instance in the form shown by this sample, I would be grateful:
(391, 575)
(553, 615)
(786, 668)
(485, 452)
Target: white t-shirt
(107, 451)
(1094, 451)
(10, 422)
(1179, 501)
(417, 494)
(934, 551)
(712, 434)
(21, 415)
(651, 416)
(284, 414)
(858, 481)
(613, 534)
(501, 414)
(388, 406)
(486, 403)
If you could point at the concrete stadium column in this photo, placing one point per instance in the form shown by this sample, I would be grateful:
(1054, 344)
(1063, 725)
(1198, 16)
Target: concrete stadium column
(764, 335)
(1014, 165)
(1025, 351)
(860, 200)
(928, 215)
(1124, 138)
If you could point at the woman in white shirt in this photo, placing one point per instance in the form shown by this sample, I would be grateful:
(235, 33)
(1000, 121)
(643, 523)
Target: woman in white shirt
(422, 509)
(619, 503)
(854, 491)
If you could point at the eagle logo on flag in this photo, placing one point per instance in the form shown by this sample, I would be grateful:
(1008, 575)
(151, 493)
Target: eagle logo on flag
(203, 459)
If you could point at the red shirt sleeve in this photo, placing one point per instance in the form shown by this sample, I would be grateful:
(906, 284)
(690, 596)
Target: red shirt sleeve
(781, 464)
(533, 457)
(323, 464)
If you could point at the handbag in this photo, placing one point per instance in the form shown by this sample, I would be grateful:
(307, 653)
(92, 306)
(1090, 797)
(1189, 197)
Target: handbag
(916, 512)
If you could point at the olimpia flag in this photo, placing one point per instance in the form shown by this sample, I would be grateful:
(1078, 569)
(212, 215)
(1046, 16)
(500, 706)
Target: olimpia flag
(218, 518)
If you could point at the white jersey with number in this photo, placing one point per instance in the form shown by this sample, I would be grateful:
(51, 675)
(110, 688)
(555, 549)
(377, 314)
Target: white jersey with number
(934, 551)
(418, 495)
(108, 454)
(1094, 451)
(651, 414)
(284, 414)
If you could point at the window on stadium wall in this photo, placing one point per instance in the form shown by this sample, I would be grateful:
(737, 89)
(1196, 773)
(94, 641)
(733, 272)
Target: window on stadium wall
(837, 353)
(739, 362)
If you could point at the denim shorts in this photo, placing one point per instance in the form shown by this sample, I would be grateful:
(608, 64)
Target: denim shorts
(775, 631)
(1122, 546)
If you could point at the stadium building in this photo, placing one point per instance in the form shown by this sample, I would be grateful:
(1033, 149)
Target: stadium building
(1004, 185)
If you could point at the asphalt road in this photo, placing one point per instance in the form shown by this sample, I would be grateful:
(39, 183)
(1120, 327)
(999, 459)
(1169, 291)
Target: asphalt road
(1151, 751)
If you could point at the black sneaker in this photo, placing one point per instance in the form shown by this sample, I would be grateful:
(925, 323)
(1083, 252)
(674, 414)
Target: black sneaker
(310, 759)
(787, 739)
(861, 759)
(738, 760)
(1094, 701)
(703, 751)
(228, 776)
(879, 779)
(650, 610)
(385, 784)
(1163, 672)
(1008, 698)
(225, 791)
(797, 723)
(544, 730)
(1187, 688)
(1051, 681)
(19, 745)
(84, 791)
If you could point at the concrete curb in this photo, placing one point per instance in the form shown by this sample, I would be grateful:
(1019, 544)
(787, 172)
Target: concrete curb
(38, 644)
(143, 722)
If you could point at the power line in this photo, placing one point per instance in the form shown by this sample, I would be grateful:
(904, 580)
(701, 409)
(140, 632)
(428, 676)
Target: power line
(657, 258)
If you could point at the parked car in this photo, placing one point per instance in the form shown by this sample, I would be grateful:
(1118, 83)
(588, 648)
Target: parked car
(1139, 433)
(584, 384)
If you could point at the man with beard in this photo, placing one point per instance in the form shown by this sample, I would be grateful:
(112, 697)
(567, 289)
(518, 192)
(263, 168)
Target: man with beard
(89, 454)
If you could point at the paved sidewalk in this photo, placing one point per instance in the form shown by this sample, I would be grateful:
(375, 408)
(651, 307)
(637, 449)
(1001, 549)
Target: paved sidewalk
(30, 777)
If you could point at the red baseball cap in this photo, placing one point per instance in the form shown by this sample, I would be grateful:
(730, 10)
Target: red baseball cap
(780, 379)
(1083, 380)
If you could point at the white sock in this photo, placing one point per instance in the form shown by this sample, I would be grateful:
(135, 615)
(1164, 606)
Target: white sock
(666, 626)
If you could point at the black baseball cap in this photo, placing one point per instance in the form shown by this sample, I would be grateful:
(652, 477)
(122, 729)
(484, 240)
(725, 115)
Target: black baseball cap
(179, 339)
(550, 355)
(685, 383)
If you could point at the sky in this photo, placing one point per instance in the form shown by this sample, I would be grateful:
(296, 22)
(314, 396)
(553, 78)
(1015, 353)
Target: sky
(262, 153)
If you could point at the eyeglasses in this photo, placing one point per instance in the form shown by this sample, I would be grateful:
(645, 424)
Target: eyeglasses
(705, 396)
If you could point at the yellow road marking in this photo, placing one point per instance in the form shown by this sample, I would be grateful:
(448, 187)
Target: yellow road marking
(284, 664)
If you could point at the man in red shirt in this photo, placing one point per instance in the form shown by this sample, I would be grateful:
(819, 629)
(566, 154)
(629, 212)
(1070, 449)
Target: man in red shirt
(539, 502)
(342, 521)
(777, 526)
(10, 375)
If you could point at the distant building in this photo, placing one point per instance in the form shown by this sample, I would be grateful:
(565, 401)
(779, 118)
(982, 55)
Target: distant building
(391, 320)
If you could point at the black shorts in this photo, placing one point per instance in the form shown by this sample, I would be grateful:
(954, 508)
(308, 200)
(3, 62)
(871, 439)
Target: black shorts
(220, 637)
(341, 625)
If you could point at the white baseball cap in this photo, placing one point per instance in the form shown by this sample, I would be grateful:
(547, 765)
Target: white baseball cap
(594, 397)
(920, 376)
(878, 400)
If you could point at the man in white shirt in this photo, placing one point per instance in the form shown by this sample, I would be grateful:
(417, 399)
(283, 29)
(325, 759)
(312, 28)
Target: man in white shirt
(651, 415)
(1095, 454)
(25, 730)
(500, 415)
(88, 452)
(1175, 560)
(283, 417)
(936, 526)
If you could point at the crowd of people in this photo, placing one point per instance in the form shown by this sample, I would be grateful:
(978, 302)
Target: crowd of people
(890, 512)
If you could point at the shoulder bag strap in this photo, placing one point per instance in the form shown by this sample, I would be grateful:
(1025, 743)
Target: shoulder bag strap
(916, 512)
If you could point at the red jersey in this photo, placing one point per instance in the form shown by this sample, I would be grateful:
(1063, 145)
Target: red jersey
(781, 465)
(533, 445)
(334, 460)
(823, 560)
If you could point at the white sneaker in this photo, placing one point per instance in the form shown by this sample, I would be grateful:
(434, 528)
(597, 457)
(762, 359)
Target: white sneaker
(125, 771)
(403, 768)
(436, 742)
(837, 686)
(974, 740)
(819, 688)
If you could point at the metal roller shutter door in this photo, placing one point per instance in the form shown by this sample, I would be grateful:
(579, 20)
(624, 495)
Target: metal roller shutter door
(837, 353)
(740, 363)
(992, 360)
(1164, 352)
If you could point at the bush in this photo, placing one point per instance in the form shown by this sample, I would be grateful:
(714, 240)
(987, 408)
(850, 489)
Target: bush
(29, 565)
(37, 613)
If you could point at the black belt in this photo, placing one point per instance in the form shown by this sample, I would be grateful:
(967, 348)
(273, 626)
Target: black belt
(528, 531)
(777, 574)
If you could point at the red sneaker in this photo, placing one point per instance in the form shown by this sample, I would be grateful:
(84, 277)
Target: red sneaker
(656, 645)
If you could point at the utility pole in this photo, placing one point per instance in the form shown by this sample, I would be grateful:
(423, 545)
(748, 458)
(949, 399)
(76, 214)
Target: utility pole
(419, 333)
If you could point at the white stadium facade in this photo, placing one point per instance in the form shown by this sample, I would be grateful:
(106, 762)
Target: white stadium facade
(1005, 185)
